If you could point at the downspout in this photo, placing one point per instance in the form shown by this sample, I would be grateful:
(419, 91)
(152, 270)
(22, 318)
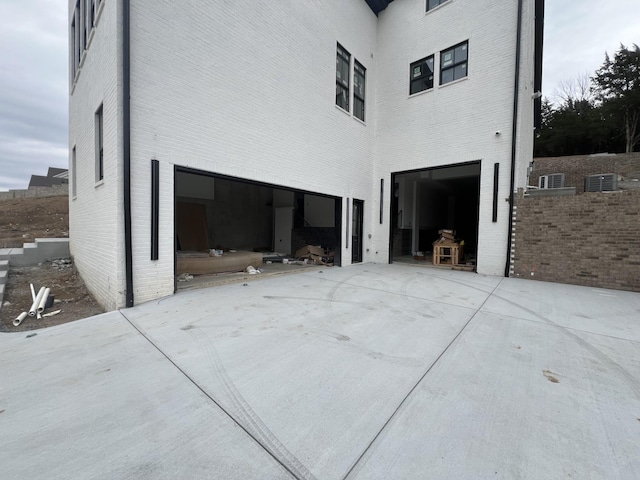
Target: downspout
(126, 127)
(516, 88)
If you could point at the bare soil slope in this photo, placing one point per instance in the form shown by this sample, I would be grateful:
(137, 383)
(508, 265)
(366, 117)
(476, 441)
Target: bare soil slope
(22, 221)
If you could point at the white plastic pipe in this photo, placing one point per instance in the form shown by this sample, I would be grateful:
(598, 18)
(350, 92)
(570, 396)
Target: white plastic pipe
(33, 293)
(34, 306)
(20, 319)
(43, 300)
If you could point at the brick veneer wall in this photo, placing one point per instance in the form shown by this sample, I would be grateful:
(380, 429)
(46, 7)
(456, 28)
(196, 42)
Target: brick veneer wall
(591, 239)
(577, 167)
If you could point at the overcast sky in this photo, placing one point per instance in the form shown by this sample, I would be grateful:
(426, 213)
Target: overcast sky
(34, 84)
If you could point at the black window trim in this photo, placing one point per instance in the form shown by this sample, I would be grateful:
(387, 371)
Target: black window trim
(455, 64)
(412, 80)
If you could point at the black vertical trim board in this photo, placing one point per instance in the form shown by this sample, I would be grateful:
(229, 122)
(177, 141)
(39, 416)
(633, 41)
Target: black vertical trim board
(347, 225)
(175, 232)
(126, 127)
(155, 208)
(381, 200)
(514, 132)
(496, 171)
(537, 79)
(391, 215)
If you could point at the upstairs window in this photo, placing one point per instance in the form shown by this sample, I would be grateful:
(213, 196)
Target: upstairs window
(453, 63)
(431, 4)
(343, 60)
(359, 74)
(421, 75)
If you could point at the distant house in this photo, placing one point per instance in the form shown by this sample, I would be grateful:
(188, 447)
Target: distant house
(366, 125)
(55, 176)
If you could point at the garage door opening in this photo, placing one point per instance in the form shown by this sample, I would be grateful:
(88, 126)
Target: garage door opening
(426, 206)
(224, 225)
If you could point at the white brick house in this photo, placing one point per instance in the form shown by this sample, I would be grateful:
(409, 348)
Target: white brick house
(251, 96)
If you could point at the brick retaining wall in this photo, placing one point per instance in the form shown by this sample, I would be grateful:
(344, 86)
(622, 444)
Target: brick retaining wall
(591, 239)
(577, 167)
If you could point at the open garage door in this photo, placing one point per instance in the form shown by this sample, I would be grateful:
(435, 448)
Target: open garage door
(224, 224)
(426, 202)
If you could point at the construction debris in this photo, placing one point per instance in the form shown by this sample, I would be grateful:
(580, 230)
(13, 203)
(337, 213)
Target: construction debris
(446, 250)
(185, 277)
(316, 255)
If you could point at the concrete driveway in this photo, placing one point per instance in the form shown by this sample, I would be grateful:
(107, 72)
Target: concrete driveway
(369, 371)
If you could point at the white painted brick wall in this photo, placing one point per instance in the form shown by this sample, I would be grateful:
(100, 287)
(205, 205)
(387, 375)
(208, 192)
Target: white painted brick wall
(95, 218)
(456, 122)
(246, 89)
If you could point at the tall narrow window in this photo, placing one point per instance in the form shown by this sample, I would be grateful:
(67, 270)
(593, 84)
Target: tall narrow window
(92, 13)
(343, 60)
(453, 63)
(421, 75)
(72, 54)
(359, 74)
(99, 144)
(73, 173)
(83, 25)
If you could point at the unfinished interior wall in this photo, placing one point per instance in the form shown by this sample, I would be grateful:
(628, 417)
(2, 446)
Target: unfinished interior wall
(240, 216)
(591, 239)
(319, 211)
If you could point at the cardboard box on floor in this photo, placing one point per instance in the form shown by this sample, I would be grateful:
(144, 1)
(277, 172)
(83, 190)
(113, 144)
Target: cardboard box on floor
(309, 251)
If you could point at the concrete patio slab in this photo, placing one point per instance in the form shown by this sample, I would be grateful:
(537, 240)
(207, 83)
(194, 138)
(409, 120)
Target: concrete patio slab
(370, 371)
(93, 399)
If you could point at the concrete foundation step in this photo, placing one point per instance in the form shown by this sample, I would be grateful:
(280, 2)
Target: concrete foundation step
(34, 253)
(4, 265)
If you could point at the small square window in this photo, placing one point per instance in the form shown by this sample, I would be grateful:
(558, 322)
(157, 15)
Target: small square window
(454, 62)
(421, 75)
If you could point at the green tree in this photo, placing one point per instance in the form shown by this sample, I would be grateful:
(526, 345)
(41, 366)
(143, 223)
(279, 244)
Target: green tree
(616, 86)
(575, 127)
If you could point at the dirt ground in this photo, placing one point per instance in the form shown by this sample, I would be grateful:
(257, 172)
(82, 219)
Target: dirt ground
(22, 221)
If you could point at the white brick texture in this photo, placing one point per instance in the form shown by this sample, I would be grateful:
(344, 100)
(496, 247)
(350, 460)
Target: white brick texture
(247, 89)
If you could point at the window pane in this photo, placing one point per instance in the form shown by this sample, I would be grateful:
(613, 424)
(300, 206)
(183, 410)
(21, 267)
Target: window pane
(446, 76)
(358, 108)
(447, 58)
(460, 71)
(461, 53)
(342, 99)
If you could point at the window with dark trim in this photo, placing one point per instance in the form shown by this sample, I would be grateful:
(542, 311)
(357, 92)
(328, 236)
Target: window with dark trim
(421, 75)
(431, 4)
(343, 60)
(99, 144)
(84, 31)
(359, 78)
(76, 50)
(453, 63)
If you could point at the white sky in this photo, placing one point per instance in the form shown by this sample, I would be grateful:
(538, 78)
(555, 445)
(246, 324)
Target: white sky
(34, 84)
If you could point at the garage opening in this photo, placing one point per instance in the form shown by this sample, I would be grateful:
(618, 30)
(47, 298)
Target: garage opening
(226, 225)
(435, 216)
